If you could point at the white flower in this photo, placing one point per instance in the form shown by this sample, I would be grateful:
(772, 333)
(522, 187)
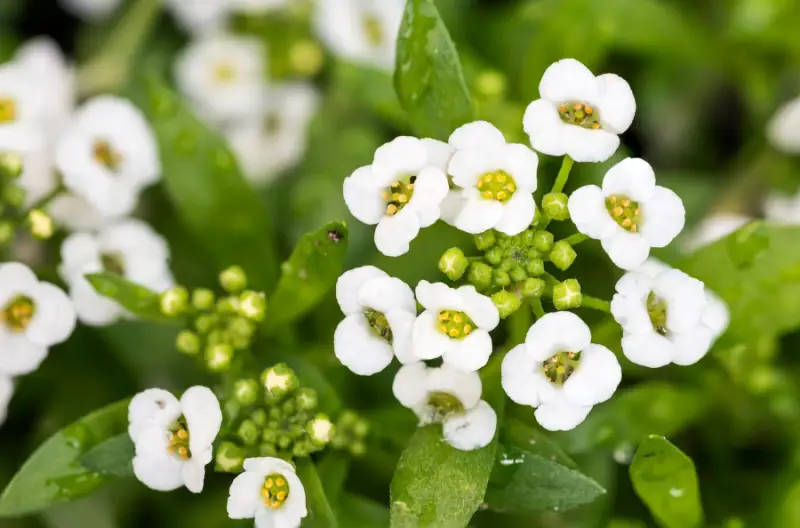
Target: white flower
(223, 76)
(579, 115)
(495, 180)
(401, 191)
(6, 392)
(75, 213)
(23, 100)
(713, 228)
(257, 7)
(91, 10)
(560, 372)
(269, 492)
(37, 178)
(173, 438)
(630, 214)
(361, 31)
(33, 317)
(449, 396)
(781, 208)
(200, 16)
(454, 326)
(380, 311)
(130, 249)
(274, 139)
(108, 155)
(783, 130)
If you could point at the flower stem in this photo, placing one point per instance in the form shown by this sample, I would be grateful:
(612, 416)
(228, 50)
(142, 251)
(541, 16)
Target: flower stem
(538, 310)
(575, 239)
(48, 198)
(563, 175)
(596, 304)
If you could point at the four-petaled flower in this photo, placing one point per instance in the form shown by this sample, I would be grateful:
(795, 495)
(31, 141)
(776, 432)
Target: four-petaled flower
(269, 492)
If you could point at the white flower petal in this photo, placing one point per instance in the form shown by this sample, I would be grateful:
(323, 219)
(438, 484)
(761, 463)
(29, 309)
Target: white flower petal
(653, 267)
(470, 353)
(384, 294)
(92, 308)
(692, 346)
(438, 296)
(430, 189)
(471, 430)
(15, 278)
(439, 153)
(358, 348)
(6, 392)
(597, 377)
(478, 214)
(518, 214)
(398, 158)
(557, 332)
(267, 465)
(466, 166)
(648, 349)
(428, 341)
(545, 128)
(410, 385)
(362, 195)
(663, 218)
(161, 473)
(716, 317)
(783, 130)
(394, 233)
(632, 178)
(477, 135)
(19, 355)
(615, 102)
(516, 372)
(203, 416)
(194, 474)
(568, 80)
(626, 250)
(630, 311)
(716, 227)
(586, 145)
(521, 163)
(451, 207)
(349, 284)
(244, 496)
(587, 208)
(685, 298)
(466, 386)
(54, 318)
(153, 408)
(561, 415)
(479, 308)
(402, 324)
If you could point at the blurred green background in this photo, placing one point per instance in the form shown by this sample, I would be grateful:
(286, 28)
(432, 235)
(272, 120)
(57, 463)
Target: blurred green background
(707, 76)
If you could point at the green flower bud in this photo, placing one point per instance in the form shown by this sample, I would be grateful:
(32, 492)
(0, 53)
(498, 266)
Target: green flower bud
(320, 429)
(246, 391)
(503, 240)
(40, 224)
(229, 458)
(248, 433)
(289, 407)
(216, 337)
(202, 299)
(491, 84)
(306, 398)
(6, 232)
(501, 278)
(187, 342)
(527, 237)
(555, 206)
(485, 240)
(518, 275)
(537, 216)
(494, 255)
(543, 241)
(11, 165)
(233, 279)
(259, 417)
(535, 267)
(205, 323)
(358, 449)
(279, 380)
(174, 301)
(348, 419)
(361, 428)
(274, 424)
(267, 450)
(14, 195)
(284, 440)
(228, 305)
(453, 263)
(480, 275)
(563, 255)
(567, 295)
(218, 357)
(270, 436)
(253, 305)
(533, 288)
(300, 450)
(301, 416)
(506, 264)
(241, 327)
(506, 303)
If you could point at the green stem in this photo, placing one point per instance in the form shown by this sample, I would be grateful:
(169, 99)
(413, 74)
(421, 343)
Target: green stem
(538, 309)
(596, 304)
(563, 175)
(48, 198)
(111, 67)
(575, 239)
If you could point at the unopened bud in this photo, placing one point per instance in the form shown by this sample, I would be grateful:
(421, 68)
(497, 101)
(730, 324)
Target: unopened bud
(527, 237)
(14, 195)
(305, 57)
(563, 255)
(6, 232)
(259, 417)
(246, 391)
(494, 255)
(233, 279)
(202, 299)
(518, 274)
(248, 433)
(230, 458)
(11, 165)
(485, 240)
(187, 342)
(480, 275)
(490, 84)
(253, 305)
(320, 429)
(543, 241)
(535, 267)
(174, 301)
(40, 224)
(506, 303)
(306, 398)
(228, 305)
(205, 323)
(453, 263)
(501, 278)
(533, 287)
(279, 380)
(218, 357)
(567, 295)
(239, 327)
(555, 206)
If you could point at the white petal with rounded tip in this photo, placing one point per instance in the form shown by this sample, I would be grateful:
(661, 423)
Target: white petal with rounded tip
(632, 178)
(521, 163)
(410, 385)
(597, 377)
(685, 298)
(439, 153)
(626, 250)
(267, 465)
(653, 267)
(438, 296)
(557, 332)
(294, 509)
(349, 284)
(193, 473)
(630, 312)
(92, 308)
(589, 145)
(783, 130)
(545, 128)
(663, 218)
(358, 348)
(152, 408)
(19, 355)
(451, 206)
(648, 349)
(478, 214)
(466, 386)
(466, 166)
(77, 250)
(6, 392)
(15, 278)
(637, 283)
(471, 430)
(716, 317)
(161, 473)
(477, 135)
(615, 102)
(561, 415)
(384, 294)
(203, 416)
(430, 189)
(244, 496)
(479, 308)
(516, 372)
(470, 353)
(363, 196)
(568, 80)
(716, 227)
(428, 341)
(54, 318)
(587, 209)
(402, 324)
(402, 156)
(518, 214)
(394, 233)
(692, 346)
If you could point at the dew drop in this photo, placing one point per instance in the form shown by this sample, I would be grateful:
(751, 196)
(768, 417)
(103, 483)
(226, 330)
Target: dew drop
(623, 454)
(675, 492)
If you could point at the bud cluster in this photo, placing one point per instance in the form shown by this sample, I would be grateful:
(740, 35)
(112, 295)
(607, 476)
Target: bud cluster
(351, 433)
(275, 417)
(219, 326)
(12, 204)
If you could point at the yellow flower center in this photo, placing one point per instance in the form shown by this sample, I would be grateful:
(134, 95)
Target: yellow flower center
(496, 185)
(106, 156)
(398, 194)
(224, 73)
(18, 313)
(558, 368)
(373, 30)
(379, 324)
(445, 403)
(456, 325)
(179, 440)
(275, 490)
(625, 212)
(657, 310)
(113, 263)
(8, 110)
(579, 114)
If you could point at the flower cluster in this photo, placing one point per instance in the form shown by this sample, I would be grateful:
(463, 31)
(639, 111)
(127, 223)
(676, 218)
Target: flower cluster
(483, 185)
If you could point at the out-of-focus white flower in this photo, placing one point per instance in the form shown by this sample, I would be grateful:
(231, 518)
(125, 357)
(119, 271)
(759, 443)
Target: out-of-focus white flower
(579, 115)
(223, 76)
(449, 396)
(781, 208)
(108, 155)
(257, 7)
(75, 213)
(454, 326)
(560, 372)
(630, 214)
(38, 177)
(713, 228)
(173, 438)
(783, 130)
(23, 100)
(401, 191)
(380, 311)
(130, 249)
(495, 180)
(200, 16)
(275, 138)
(91, 10)
(269, 492)
(361, 31)
(6, 392)
(33, 317)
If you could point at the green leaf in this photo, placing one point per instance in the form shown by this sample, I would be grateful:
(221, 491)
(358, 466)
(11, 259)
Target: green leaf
(320, 512)
(54, 474)
(332, 468)
(209, 192)
(138, 300)
(112, 457)
(428, 77)
(361, 512)
(658, 407)
(665, 480)
(519, 434)
(309, 274)
(437, 485)
(523, 482)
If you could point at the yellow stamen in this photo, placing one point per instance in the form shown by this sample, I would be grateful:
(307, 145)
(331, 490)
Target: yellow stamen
(627, 222)
(626, 203)
(453, 332)
(268, 484)
(578, 106)
(501, 177)
(281, 495)
(487, 194)
(487, 178)
(612, 199)
(444, 316)
(467, 329)
(634, 228)
(391, 209)
(595, 125)
(511, 187)
(589, 110)
(618, 211)
(501, 195)
(402, 198)
(280, 482)
(443, 329)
